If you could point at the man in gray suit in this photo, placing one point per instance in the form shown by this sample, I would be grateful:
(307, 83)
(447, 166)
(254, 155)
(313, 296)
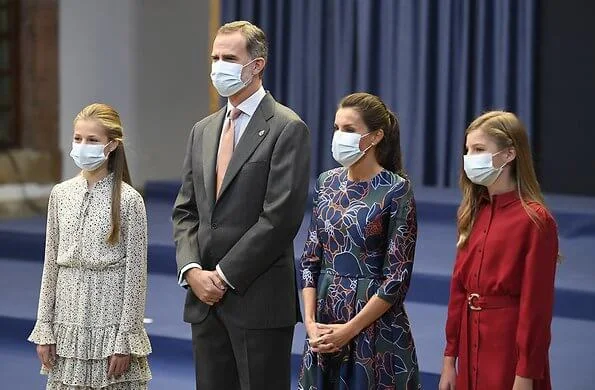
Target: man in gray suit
(242, 199)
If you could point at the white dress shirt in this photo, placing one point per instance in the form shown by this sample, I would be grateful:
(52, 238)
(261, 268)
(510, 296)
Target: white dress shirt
(248, 108)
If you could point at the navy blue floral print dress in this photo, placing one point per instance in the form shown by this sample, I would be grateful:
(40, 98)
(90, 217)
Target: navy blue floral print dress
(361, 243)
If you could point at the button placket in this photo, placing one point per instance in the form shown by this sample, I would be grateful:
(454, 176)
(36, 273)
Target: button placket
(476, 315)
(481, 250)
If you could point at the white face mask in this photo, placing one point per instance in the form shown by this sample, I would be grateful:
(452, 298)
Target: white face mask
(345, 147)
(88, 157)
(227, 77)
(480, 169)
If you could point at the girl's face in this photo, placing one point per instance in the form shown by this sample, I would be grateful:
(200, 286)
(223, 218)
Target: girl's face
(92, 133)
(478, 142)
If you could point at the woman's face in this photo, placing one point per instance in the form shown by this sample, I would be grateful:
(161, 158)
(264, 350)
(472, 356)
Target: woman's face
(350, 121)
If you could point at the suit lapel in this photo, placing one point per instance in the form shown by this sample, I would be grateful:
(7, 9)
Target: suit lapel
(210, 147)
(255, 132)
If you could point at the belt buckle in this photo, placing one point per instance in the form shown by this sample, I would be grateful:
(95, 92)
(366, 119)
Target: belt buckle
(470, 300)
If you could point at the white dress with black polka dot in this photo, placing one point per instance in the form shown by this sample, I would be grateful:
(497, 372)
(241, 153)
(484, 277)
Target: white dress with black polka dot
(92, 298)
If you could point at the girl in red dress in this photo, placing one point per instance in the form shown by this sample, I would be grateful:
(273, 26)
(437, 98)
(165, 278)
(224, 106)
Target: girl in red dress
(502, 288)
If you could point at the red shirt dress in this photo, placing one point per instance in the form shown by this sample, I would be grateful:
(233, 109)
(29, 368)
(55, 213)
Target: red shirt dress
(501, 297)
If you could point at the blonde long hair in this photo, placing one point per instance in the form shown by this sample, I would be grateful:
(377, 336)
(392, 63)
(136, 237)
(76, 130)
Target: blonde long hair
(508, 132)
(109, 119)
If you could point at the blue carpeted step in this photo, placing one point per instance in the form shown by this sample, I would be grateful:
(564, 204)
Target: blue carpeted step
(575, 215)
(171, 360)
(30, 247)
(19, 290)
(426, 288)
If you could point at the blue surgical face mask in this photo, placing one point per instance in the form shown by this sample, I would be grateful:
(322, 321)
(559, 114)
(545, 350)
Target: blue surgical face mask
(345, 147)
(88, 157)
(480, 169)
(227, 77)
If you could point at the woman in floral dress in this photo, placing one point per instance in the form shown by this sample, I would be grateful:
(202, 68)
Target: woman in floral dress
(358, 259)
(89, 330)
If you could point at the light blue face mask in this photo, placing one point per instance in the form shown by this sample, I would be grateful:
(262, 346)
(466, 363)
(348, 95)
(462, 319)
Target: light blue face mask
(227, 77)
(88, 157)
(480, 169)
(345, 147)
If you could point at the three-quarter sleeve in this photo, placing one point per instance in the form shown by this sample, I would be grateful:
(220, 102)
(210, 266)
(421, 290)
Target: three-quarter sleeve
(311, 260)
(42, 333)
(537, 298)
(402, 236)
(132, 337)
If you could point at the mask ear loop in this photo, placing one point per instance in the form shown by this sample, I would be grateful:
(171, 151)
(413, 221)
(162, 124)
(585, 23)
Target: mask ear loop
(503, 165)
(251, 76)
(372, 144)
(368, 148)
(110, 151)
(249, 62)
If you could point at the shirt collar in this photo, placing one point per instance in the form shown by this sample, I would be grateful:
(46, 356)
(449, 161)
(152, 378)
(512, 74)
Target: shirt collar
(504, 199)
(249, 105)
(104, 183)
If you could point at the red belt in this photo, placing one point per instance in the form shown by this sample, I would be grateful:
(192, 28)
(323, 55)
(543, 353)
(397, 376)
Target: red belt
(482, 302)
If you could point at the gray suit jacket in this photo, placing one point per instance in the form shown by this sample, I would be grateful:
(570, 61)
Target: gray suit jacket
(249, 230)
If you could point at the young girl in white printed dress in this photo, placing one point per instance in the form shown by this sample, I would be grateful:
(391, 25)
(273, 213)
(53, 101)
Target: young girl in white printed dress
(89, 330)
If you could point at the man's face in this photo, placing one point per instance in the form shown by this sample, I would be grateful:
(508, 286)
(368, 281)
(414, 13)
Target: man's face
(230, 47)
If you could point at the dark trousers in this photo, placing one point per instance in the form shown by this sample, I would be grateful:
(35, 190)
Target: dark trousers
(227, 357)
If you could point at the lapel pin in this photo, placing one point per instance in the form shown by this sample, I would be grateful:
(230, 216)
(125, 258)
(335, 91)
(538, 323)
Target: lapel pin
(261, 133)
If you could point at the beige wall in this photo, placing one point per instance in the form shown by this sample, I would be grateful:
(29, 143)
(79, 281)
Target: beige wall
(149, 59)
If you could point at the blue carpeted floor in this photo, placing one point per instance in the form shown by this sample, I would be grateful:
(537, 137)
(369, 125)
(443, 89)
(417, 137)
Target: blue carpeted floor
(21, 256)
